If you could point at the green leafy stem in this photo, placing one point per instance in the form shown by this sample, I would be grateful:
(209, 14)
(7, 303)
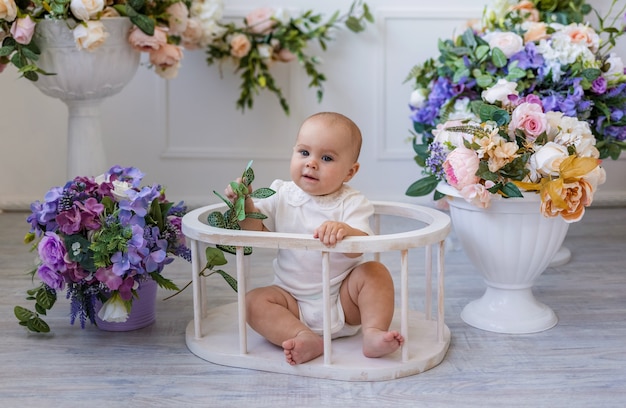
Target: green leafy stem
(229, 219)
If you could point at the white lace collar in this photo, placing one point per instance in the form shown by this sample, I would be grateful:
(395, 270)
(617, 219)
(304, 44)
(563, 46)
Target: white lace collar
(297, 197)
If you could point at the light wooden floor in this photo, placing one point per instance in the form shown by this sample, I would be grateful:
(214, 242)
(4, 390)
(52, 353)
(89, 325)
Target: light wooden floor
(579, 363)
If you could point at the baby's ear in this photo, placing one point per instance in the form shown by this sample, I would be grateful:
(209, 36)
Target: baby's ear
(353, 170)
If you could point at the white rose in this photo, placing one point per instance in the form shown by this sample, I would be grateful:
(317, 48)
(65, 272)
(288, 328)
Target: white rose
(120, 190)
(418, 98)
(113, 310)
(462, 111)
(86, 9)
(548, 158)
(616, 67)
(500, 92)
(91, 36)
(510, 43)
(446, 138)
(554, 120)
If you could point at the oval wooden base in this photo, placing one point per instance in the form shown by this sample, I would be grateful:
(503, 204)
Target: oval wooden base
(220, 345)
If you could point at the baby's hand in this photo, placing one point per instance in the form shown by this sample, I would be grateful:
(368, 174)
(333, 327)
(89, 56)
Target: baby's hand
(332, 232)
(231, 194)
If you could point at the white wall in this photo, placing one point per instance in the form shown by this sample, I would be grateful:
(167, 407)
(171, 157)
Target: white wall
(187, 135)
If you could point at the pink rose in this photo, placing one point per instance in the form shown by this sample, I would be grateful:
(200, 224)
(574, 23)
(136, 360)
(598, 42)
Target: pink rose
(192, 35)
(260, 20)
(528, 117)
(23, 29)
(178, 16)
(240, 46)
(284, 55)
(460, 167)
(167, 60)
(143, 42)
(477, 194)
(583, 35)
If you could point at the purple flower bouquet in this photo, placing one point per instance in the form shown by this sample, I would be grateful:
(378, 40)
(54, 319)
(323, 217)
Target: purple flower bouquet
(100, 238)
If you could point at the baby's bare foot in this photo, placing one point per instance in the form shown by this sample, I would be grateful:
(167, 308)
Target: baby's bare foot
(304, 347)
(378, 343)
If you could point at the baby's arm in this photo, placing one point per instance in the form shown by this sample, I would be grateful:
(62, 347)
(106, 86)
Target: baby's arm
(249, 224)
(332, 232)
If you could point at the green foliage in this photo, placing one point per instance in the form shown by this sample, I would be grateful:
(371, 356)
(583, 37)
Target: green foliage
(229, 219)
(44, 298)
(423, 186)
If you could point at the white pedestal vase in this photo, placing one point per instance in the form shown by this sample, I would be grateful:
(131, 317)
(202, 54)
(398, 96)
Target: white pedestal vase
(510, 243)
(83, 79)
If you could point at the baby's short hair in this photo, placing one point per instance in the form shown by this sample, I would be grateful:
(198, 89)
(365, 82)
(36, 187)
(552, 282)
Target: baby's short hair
(334, 118)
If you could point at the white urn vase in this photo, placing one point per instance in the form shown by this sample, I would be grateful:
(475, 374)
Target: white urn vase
(510, 243)
(82, 80)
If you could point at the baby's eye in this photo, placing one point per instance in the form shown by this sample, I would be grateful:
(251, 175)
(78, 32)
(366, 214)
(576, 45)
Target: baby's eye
(327, 158)
(304, 153)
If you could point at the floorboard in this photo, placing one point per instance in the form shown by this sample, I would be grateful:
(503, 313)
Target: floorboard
(581, 362)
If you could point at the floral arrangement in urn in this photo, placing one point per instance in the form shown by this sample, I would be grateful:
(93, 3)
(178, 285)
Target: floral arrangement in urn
(164, 28)
(160, 27)
(532, 97)
(100, 238)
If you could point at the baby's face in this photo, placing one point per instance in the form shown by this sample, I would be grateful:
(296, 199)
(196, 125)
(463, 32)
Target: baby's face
(323, 157)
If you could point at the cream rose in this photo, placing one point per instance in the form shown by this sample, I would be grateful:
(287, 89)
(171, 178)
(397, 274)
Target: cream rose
(90, 36)
(547, 159)
(535, 31)
(8, 10)
(86, 9)
(165, 72)
(500, 92)
(509, 42)
(240, 46)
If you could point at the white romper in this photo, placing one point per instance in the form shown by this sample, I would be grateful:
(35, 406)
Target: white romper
(292, 210)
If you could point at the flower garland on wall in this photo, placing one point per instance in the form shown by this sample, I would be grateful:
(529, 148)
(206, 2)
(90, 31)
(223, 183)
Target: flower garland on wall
(535, 94)
(269, 36)
(164, 28)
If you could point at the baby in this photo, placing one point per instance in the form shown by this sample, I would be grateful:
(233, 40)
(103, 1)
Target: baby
(289, 313)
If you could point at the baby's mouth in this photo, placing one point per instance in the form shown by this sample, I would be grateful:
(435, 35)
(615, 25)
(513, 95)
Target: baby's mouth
(308, 177)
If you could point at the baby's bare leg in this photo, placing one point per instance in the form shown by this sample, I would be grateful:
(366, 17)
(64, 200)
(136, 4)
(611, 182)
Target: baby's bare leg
(273, 313)
(367, 298)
